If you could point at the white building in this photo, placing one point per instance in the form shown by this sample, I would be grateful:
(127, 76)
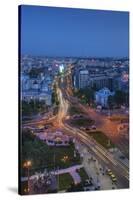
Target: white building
(34, 95)
(101, 97)
(25, 84)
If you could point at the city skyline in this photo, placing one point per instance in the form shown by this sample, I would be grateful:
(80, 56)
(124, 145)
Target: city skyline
(74, 122)
(64, 32)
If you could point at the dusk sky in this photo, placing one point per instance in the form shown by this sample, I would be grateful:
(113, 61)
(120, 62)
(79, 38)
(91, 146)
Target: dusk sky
(51, 31)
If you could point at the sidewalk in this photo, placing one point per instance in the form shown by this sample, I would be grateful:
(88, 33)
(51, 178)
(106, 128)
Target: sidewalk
(94, 169)
(71, 170)
(75, 176)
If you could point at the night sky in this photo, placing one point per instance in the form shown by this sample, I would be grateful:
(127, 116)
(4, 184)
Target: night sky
(74, 32)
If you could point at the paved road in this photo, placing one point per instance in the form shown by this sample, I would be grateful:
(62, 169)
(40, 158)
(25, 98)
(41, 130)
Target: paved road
(121, 171)
(105, 125)
(101, 154)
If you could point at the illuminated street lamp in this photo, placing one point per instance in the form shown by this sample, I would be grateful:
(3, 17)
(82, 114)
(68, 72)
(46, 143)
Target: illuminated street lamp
(64, 159)
(27, 165)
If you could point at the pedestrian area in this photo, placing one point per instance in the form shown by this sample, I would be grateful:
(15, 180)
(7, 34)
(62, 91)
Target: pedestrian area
(94, 169)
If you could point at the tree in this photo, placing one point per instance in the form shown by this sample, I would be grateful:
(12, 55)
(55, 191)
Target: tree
(53, 97)
(127, 98)
(35, 72)
(89, 94)
(110, 101)
(86, 94)
(33, 107)
(119, 97)
(94, 87)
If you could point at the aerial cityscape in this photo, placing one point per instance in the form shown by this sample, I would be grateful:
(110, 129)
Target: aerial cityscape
(74, 107)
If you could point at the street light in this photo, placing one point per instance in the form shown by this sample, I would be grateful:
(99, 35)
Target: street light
(27, 165)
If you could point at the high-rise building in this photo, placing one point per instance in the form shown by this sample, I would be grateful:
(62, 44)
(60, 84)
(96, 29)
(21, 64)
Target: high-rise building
(83, 78)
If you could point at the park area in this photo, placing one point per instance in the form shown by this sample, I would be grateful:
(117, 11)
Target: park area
(66, 180)
(85, 122)
(43, 156)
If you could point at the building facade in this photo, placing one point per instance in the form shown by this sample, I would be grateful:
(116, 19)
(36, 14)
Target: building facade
(83, 78)
(101, 96)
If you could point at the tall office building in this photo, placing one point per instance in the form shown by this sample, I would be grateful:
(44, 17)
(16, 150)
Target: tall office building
(83, 78)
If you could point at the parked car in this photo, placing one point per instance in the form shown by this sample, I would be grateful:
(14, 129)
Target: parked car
(109, 172)
(93, 127)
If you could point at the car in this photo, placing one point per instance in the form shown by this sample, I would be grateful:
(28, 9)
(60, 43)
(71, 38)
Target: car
(46, 127)
(122, 157)
(75, 116)
(109, 172)
(97, 188)
(87, 128)
(93, 127)
(88, 183)
(82, 128)
(114, 179)
(113, 176)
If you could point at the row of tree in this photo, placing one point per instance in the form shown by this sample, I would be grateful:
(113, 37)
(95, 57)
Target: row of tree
(33, 107)
(35, 72)
(55, 99)
(120, 98)
(86, 95)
